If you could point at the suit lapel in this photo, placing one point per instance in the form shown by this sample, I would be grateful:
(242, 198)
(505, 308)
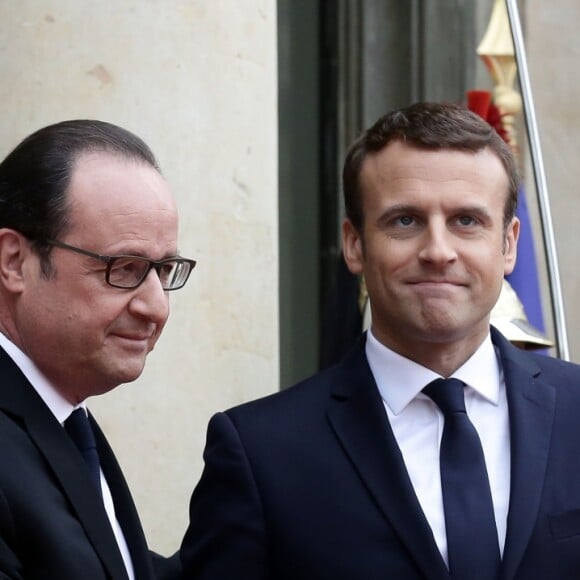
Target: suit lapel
(359, 420)
(70, 470)
(531, 404)
(18, 398)
(124, 507)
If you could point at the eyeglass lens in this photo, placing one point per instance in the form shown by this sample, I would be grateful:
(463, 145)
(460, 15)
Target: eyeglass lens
(129, 272)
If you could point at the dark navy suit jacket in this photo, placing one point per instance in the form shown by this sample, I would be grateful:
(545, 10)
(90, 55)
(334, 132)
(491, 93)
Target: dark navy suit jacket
(53, 524)
(310, 484)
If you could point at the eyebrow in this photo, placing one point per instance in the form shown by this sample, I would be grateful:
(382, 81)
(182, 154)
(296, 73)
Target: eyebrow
(398, 209)
(474, 209)
(140, 254)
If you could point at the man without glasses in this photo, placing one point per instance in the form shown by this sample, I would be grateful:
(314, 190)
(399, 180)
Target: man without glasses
(435, 449)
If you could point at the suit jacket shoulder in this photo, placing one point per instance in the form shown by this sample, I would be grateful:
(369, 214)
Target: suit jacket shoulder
(52, 521)
(301, 484)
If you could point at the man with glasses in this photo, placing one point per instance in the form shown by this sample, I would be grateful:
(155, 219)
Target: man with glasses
(88, 253)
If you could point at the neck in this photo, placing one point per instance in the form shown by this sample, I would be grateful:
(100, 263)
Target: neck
(442, 357)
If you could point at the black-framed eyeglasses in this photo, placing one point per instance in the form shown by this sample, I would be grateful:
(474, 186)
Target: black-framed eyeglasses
(125, 271)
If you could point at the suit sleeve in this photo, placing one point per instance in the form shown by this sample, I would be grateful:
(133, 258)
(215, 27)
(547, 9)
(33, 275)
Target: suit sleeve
(10, 567)
(226, 535)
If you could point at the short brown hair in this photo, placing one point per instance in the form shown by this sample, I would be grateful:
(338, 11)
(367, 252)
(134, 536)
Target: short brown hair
(430, 126)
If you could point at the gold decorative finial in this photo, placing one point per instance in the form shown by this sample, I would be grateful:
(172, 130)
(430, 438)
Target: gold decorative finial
(497, 52)
(509, 317)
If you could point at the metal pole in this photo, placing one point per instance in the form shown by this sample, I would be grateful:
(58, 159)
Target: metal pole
(562, 350)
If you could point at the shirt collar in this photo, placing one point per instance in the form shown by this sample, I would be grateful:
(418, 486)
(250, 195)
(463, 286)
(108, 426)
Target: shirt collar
(400, 380)
(57, 404)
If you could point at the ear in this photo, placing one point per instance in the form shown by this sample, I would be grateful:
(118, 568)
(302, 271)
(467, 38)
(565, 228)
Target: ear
(13, 251)
(352, 247)
(511, 246)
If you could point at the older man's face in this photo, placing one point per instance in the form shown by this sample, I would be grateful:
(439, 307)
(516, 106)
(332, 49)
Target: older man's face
(86, 336)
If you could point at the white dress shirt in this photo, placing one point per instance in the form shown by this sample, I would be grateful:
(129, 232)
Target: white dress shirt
(417, 425)
(62, 409)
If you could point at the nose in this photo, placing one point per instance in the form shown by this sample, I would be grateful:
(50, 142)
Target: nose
(438, 244)
(150, 300)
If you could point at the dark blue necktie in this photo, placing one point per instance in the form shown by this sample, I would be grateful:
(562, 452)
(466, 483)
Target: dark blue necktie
(472, 542)
(80, 431)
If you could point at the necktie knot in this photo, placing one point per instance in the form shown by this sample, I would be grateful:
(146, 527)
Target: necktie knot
(447, 394)
(79, 430)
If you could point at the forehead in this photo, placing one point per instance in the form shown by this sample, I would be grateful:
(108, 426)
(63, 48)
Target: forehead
(119, 197)
(403, 171)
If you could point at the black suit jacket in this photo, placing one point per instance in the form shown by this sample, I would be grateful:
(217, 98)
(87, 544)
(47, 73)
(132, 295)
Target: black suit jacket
(53, 523)
(310, 483)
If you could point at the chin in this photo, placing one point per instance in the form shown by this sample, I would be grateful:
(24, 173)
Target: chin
(133, 375)
(130, 373)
